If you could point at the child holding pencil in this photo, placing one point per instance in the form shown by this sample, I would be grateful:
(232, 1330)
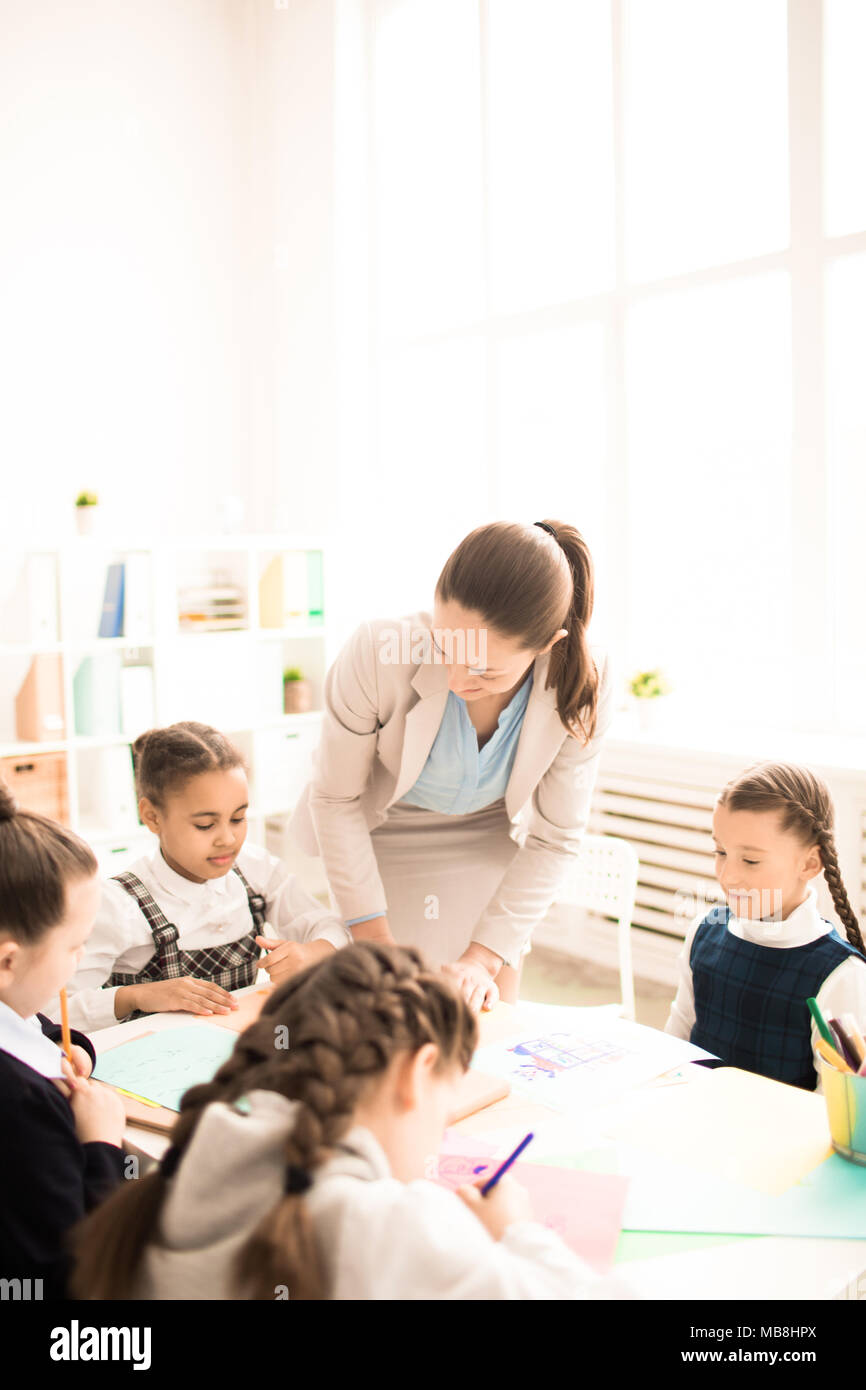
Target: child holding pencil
(61, 1151)
(298, 1171)
(748, 968)
(190, 923)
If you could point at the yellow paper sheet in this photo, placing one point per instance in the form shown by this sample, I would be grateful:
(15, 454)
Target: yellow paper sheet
(737, 1126)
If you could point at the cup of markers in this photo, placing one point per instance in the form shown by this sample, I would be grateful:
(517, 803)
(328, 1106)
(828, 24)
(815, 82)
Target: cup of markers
(843, 1078)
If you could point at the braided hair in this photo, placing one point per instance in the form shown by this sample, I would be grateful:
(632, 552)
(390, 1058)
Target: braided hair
(347, 1017)
(807, 812)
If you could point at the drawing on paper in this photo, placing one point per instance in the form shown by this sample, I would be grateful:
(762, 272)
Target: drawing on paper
(551, 1056)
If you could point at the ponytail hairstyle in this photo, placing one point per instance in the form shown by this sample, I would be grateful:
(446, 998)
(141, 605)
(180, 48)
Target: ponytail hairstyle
(807, 812)
(527, 582)
(38, 859)
(347, 1017)
(165, 759)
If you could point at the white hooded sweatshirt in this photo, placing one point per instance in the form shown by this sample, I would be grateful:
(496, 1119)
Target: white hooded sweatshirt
(378, 1238)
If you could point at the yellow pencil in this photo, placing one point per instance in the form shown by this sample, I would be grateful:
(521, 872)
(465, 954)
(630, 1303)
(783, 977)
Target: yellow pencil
(833, 1057)
(143, 1099)
(64, 1028)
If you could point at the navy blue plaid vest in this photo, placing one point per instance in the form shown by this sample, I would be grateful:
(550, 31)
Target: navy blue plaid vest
(750, 1000)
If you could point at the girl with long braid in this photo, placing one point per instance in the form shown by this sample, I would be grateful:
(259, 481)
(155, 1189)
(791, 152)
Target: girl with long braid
(298, 1171)
(747, 968)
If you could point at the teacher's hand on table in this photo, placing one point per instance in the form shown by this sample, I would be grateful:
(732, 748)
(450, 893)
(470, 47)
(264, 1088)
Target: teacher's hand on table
(473, 975)
(286, 958)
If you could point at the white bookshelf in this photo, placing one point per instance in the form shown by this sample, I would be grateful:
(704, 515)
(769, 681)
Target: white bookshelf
(231, 678)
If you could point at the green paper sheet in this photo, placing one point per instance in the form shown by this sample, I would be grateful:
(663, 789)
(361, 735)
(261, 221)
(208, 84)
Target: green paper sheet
(161, 1066)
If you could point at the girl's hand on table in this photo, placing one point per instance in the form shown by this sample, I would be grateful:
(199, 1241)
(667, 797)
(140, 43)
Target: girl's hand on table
(187, 995)
(286, 958)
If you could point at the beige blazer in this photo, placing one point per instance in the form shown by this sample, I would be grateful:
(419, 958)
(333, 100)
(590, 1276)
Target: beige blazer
(381, 719)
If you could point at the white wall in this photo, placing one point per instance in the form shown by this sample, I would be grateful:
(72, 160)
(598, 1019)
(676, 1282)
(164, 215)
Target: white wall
(124, 264)
(183, 279)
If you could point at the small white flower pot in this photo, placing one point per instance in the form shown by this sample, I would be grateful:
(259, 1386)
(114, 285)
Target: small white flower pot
(649, 712)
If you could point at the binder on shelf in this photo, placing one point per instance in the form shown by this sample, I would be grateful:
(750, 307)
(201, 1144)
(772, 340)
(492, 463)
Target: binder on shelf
(283, 593)
(137, 614)
(315, 587)
(41, 591)
(111, 622)
(136, 700)
(110, 783)
(96, 695)
(28, 599)
(39, 702)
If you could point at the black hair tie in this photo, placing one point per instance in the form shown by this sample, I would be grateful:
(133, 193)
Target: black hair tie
(297, 1179)
(169, 1162)
(549, 529)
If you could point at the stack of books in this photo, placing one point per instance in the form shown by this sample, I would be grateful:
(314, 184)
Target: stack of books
(212, 608)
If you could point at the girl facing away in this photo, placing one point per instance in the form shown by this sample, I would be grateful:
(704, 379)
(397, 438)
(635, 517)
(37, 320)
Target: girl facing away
(189, 923)
(61, 1148)
(748, 967)
(298, 1172)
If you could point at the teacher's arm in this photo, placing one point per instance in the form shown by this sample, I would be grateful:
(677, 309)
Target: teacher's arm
(344, 760)
(558, 818)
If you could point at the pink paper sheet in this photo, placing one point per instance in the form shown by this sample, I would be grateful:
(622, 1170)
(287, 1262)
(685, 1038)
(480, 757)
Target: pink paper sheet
(585, 1209)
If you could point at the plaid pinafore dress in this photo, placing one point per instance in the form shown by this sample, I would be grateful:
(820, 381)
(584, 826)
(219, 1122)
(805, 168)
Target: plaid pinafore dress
(233, 965)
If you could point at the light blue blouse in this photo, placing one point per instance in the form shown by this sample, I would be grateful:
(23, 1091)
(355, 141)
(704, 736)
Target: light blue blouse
(458, 777)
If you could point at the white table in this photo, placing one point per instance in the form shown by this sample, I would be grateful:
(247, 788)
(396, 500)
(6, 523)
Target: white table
(761, 1268)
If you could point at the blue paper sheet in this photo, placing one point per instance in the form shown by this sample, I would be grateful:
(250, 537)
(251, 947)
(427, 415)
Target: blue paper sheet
(161, 1066)
(830, 1202)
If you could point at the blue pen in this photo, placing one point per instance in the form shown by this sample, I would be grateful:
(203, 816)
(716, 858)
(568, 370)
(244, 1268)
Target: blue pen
(504, 1167)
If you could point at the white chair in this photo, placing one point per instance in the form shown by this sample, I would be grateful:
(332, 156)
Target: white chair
(604, 880)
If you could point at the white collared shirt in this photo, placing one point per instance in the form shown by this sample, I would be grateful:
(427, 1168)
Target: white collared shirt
(843, 991)
(23, 1038)
(205, 914)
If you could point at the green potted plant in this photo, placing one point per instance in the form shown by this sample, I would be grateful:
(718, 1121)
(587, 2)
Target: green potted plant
(647, 688)
(297, 692)
(86, 504)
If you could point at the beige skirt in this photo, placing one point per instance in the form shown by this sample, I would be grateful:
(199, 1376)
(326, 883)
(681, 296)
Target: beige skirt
(440, 872)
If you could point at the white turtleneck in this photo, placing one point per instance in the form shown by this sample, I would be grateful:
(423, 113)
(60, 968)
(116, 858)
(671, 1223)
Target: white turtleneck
(843, 991)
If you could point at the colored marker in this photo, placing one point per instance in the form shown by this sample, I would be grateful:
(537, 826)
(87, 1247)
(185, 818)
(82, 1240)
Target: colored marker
(849, 1023)
(504, 1167)
(832, 1056)
(820, 1022)
(844, 1044)
(64, 1028)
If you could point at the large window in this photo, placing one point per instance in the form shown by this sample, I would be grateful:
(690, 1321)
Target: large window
(617, 265)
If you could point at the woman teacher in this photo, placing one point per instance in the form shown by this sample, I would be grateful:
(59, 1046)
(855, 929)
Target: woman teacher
(458, 754)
